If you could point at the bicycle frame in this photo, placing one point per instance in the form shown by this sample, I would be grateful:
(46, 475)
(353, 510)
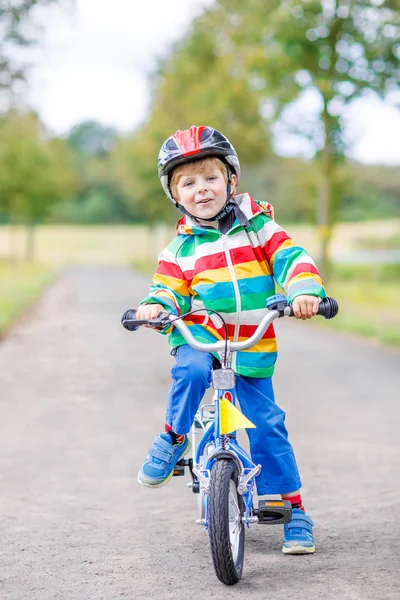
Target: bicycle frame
(225, 445)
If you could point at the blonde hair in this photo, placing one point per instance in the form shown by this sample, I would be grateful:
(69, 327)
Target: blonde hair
(198, 166)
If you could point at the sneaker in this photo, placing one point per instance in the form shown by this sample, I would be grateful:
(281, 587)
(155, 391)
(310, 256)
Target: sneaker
(298, 537)
(160, 462)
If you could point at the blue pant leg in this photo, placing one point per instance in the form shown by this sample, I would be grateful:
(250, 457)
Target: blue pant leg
(191, 377)
(269, 444)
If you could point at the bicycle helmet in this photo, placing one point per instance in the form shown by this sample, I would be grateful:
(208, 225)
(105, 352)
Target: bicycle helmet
(193, 144)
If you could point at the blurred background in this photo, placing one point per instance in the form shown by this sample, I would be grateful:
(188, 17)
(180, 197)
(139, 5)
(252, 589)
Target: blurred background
(307, 91)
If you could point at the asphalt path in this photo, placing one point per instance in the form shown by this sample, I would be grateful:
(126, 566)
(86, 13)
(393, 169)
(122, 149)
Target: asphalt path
(80, 402)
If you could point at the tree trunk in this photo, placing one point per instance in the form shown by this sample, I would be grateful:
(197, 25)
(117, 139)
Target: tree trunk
(325, 205)
(12, 223)
(30, 242)
(325, 227)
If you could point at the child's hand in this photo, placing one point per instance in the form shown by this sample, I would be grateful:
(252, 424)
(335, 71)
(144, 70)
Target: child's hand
(305, 307)
(149, 311)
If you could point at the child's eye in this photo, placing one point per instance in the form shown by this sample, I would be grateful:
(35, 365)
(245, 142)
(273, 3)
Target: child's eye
(187, 183)
(212, 178)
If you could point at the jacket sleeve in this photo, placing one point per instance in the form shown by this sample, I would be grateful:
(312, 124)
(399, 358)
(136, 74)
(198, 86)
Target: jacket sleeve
(169, 288)
(293, 269)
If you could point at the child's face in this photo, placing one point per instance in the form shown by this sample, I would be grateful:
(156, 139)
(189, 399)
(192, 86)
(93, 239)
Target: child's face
(203, 194)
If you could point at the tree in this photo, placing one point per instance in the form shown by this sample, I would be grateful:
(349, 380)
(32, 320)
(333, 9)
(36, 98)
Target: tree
(100, 198)
(337, 49)
(35, 171)
(91, 138)
(194, 85)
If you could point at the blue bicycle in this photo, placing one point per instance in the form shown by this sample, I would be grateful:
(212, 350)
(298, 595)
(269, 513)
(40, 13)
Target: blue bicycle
(223, 474)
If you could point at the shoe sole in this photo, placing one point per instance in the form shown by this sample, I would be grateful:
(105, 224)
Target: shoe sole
(167, 480)
(298, 550)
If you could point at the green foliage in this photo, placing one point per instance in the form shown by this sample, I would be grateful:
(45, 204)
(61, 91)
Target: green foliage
(99, 197)
(337, 50)
(289, 184)
(195, 85)
(237, 69)
(91, 138)
(102, 205)
(373, 193)
(34, 171)
(135, 167)
(241, 76)
(199, 85)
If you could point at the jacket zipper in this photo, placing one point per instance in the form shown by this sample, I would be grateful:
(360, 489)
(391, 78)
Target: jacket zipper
(237, 293)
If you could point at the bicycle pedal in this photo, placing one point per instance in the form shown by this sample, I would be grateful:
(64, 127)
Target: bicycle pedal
(274, 512)
(179, 470)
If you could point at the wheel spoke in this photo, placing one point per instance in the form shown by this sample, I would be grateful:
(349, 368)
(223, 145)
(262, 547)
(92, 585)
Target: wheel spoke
(235, 523)
(235, 533)
(233, 500)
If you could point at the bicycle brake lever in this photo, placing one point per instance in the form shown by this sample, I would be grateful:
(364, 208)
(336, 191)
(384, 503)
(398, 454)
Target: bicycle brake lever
(161, 321)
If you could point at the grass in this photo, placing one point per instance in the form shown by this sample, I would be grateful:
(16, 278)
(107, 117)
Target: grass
(120, 244)
(379, 243)
(369, 300)
(60, 245)
(369, 311)
(20, 285)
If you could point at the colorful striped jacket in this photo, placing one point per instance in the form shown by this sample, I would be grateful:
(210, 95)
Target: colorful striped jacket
(233, 274)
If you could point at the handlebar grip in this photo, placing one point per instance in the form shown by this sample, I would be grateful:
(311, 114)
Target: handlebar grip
(131, 323)
(328, 308)
(129, 315)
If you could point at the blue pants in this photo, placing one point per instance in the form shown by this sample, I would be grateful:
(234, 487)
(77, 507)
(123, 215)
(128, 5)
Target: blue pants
(269, 445)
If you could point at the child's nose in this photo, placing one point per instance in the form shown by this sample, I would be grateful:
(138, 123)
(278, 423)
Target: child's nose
(202, 186)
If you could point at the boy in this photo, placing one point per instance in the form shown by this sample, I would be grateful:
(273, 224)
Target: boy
(227, 255)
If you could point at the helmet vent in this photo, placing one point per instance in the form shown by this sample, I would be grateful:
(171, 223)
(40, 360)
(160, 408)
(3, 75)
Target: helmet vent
(171, 145)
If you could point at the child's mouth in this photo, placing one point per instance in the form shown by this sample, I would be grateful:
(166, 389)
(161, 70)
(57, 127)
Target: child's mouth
(205, 201)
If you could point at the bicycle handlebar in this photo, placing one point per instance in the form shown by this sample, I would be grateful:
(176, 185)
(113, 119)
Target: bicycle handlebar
(328, 308)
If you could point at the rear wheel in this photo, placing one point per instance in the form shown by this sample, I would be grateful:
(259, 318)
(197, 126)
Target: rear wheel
(226, 529)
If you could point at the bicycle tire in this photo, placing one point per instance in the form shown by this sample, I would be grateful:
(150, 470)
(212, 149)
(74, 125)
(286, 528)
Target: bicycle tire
(225, 527)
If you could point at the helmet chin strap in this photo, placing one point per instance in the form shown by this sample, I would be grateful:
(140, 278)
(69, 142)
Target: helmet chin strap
(225, 210)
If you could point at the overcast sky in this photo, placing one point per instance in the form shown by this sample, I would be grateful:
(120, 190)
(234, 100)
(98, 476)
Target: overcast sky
(94, 64)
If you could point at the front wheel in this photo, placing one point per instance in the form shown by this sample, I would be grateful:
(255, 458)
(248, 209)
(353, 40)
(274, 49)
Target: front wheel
(225, 526)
